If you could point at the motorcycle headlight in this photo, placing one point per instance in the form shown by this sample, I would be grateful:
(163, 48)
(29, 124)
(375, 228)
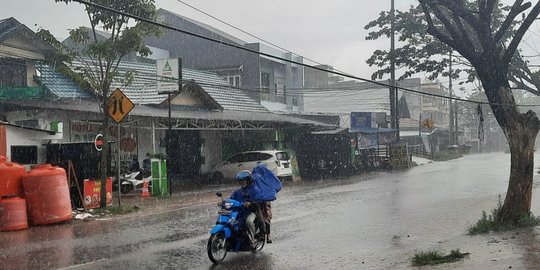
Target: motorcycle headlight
(227, 205)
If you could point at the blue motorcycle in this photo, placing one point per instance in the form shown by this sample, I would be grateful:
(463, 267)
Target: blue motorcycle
(230, 235)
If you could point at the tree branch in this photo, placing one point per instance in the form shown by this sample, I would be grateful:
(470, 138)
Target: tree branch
(457, 6)
(517, 8)
(465, 35)
(463, 49)
(511, 50)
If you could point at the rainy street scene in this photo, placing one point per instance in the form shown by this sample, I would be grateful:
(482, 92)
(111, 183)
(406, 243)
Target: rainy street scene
(183, 134)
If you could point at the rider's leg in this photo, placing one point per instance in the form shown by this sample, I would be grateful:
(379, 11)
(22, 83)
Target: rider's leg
(250, 224)
(268, 239)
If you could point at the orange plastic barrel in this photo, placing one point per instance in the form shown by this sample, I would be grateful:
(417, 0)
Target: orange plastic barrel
(13, 214)
(47, 195)
(11, 175)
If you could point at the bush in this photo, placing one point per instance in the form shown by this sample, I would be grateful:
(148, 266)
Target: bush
(436, 257)
(494, 223)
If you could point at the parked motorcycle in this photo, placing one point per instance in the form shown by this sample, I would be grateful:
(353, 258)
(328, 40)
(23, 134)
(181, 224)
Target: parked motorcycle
(133, 181)
(228, 235)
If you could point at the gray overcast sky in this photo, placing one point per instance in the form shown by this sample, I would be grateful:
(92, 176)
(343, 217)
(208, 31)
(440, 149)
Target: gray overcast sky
(330, 32)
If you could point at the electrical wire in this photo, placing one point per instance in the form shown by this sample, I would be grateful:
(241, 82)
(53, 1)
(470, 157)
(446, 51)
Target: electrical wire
(249, 34)
(236, 46)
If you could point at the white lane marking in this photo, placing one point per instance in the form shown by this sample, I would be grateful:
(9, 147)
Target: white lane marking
(83, 264)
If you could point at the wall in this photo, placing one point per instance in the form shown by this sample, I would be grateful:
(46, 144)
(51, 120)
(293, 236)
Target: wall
(16, 136)
(3, 149)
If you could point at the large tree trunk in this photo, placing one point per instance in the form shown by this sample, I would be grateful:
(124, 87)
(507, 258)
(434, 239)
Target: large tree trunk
(520, 130)
(521, 140)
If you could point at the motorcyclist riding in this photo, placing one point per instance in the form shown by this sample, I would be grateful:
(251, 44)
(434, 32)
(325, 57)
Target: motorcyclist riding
(246, 195)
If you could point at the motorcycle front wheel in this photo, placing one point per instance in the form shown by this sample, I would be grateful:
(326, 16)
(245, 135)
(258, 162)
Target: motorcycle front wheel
(260, 240)
(125, 189)
(217, 247)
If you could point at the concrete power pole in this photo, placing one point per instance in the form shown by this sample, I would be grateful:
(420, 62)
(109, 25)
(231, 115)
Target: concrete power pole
(393, 91)
(451, 103)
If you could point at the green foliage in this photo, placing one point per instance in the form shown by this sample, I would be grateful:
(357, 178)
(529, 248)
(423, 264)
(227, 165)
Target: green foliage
(421, 52)
(101, 51)
(494, 223)
(60, 54)
(433, 257)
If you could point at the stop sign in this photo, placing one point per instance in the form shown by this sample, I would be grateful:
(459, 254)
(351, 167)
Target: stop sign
(98, 142)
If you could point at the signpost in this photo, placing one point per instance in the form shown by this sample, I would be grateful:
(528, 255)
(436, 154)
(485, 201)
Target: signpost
(98, 142)
(118, 107)
(169, 73)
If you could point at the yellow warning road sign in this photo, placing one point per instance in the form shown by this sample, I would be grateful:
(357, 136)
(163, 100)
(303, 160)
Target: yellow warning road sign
(118, 105)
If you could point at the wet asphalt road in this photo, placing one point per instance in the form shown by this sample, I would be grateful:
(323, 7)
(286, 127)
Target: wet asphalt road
(371, 222)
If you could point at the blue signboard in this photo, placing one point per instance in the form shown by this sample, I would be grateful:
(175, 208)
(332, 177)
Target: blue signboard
(360, 120)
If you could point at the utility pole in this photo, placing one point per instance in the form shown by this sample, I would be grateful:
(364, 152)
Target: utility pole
(456, 133)
(393, 102)
(451, 103)
(168, 135)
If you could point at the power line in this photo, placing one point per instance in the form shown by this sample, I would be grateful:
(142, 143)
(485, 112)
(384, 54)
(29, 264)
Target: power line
(139, 18)
(247, 33)
(339, 92)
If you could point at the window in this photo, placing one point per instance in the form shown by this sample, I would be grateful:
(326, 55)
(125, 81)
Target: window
(282, 156)
(235, 158)
(265, 82)
(234, 80)
(24, 154)
(295, 101)
(250, 157)
(263, 156)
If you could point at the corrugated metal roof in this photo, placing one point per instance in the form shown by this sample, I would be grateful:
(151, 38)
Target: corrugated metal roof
(59, 84)
(143, 88)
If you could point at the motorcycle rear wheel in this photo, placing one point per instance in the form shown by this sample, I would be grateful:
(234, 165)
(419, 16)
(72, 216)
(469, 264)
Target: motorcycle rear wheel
(217, 247)
(260, 240)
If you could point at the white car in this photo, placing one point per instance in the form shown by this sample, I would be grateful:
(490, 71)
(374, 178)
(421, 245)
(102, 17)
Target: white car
(277, 161)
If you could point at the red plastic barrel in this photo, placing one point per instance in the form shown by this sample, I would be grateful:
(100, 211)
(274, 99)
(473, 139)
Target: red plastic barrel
(11, 175)
(13, 214)
(47, 195)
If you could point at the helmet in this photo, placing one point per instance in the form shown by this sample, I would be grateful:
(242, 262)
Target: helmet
(243, 175)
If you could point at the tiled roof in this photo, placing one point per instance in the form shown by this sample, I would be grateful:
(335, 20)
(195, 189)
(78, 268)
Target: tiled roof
(7, 27)
(143, 88)
(59, 84)
(91, 106)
